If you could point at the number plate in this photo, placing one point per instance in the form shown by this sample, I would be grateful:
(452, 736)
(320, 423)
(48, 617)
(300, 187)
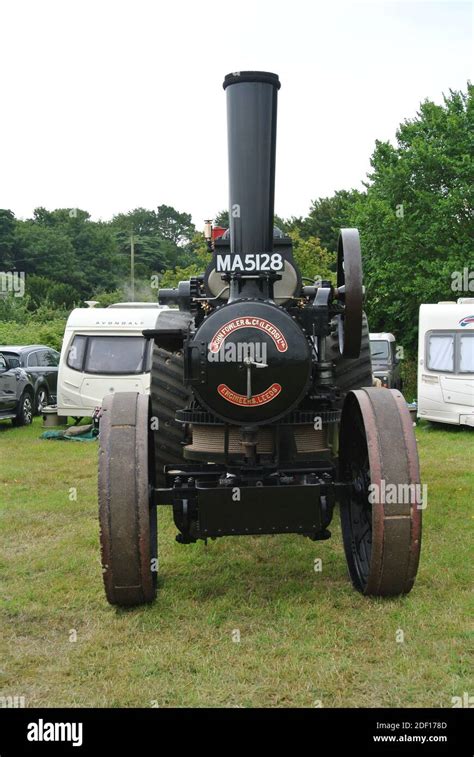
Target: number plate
(249, 263)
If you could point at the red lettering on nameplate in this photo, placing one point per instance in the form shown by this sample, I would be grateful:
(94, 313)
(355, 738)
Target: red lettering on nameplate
(248, 323)
(255, 401)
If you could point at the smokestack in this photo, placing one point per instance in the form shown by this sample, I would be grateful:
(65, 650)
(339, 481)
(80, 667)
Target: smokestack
(251, 133)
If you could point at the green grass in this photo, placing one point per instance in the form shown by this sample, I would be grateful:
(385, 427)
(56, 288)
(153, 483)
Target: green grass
(305, 636)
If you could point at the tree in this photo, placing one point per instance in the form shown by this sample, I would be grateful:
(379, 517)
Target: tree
(7, 237)
(327, 216)
(173, 225)
(161, 237)
(65, 247)
(42, 290)
(153, 253)
(416, 221)
(313, 260)
(222, 219)
(198, 262)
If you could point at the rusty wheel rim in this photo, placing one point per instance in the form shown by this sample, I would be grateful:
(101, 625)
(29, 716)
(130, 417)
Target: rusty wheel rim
(382, 538)
(128, 533)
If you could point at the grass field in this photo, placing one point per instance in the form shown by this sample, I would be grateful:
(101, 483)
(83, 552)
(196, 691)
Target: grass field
(306, 638)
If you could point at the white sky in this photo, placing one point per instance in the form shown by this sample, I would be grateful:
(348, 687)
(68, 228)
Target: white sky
(109, 106)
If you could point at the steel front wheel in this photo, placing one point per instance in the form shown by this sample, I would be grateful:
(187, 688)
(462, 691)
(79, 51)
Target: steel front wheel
(128, 528)
(381, 513)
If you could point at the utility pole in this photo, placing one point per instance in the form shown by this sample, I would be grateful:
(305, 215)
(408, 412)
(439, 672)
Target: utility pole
(132, 264)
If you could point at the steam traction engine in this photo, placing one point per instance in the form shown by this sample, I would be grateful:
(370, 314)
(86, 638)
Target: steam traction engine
(262, 415)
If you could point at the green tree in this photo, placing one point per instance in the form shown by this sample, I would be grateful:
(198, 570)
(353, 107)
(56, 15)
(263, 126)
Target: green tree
(161, 238)
(416, 221)
(64, 245)
(7, 238)
(45, 251)
(198, 262)
(222, 219)
(173, 225)
(42, 290)
(327, 216)
(313, 260)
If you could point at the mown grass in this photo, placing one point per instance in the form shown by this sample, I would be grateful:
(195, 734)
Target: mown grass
(305, 637)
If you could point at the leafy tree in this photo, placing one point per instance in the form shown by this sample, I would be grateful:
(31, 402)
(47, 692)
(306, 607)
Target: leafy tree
(161, 237)
(327, 216)
(45, 251)
(416, 221)
(199, 260)
(173, 225)
(14, 308)
(66, 246)
(222, 219)
(313, 260)
(7, 237)
(42, 290)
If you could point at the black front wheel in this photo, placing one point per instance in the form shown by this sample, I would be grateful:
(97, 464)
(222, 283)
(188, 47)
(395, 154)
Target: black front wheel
(24, 414)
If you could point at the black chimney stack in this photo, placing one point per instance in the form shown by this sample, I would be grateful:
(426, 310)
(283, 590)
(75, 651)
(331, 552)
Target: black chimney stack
(251, 133)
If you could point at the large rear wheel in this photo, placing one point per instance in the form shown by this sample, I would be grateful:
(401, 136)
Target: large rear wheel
(128, 528)
(168, 394)
(381, 512)
(351, 373)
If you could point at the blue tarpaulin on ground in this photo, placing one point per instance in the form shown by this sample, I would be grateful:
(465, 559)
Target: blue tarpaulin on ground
(74, 434)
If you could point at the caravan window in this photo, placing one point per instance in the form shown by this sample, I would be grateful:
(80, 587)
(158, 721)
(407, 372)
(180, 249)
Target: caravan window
(441, 352)
(115, 354)
(75, 356)
(110, 355)
(466, 353)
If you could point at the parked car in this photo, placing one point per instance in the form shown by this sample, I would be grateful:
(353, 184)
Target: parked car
(385, 363)
(16, 393)
(40, 363)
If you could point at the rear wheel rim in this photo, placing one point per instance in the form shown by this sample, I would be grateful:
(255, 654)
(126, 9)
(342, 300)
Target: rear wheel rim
(382, 538)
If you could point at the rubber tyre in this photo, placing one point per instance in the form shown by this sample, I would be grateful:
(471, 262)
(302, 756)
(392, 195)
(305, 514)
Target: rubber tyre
(42, 399)
(24, 415)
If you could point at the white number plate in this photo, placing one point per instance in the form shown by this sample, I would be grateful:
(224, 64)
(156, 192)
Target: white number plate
(249, 263)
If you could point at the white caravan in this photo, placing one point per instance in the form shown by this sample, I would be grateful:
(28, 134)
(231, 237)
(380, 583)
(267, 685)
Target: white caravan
(103, 352)
(446, 362)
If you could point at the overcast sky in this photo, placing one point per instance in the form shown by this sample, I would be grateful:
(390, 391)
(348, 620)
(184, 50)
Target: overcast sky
(108, 106)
